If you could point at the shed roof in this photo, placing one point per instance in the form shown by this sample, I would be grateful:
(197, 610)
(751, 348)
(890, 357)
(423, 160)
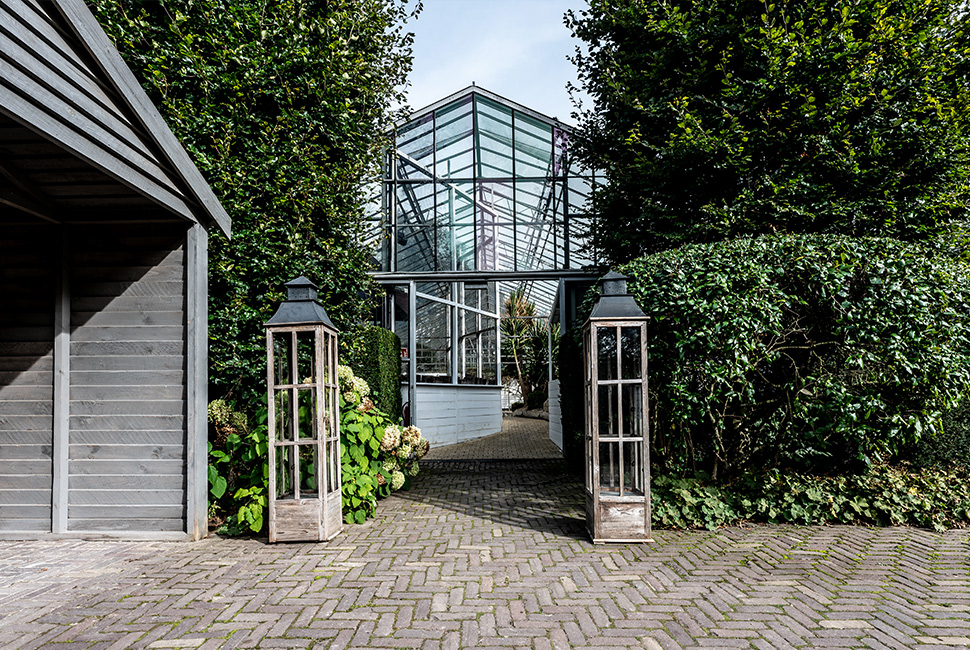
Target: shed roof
(79, 138)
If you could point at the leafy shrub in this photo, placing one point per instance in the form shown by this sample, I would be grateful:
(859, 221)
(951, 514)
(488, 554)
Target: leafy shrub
(948, 447)
(536, 399)
(377, 360)
(238, 474)
(514, 406)
(883, 496)
(815, 353)
(377, 457)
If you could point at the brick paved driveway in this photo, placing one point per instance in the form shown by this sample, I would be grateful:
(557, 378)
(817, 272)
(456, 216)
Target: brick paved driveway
(494, 555)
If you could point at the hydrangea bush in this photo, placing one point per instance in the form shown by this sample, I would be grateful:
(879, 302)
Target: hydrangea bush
(377, 456)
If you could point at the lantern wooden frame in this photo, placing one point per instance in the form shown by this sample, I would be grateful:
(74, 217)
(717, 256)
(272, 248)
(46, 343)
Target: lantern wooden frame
(305, 500)
(617, 424)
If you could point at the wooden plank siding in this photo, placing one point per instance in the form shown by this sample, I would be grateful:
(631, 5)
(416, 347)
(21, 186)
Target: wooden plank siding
(451, 414)
(127, 452)
(27, 286)
(72, 107)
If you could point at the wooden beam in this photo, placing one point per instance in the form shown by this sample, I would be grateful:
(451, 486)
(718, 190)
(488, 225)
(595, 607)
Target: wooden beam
(113, 66)
(197, 380)
(62, 386)
(24, 185)
(16, 199)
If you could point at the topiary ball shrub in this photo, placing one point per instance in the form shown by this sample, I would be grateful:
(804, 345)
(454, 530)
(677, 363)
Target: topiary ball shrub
(806, 352)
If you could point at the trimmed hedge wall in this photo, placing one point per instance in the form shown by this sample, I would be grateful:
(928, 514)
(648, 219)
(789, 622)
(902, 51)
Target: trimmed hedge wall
(811, 353)
(377, 360)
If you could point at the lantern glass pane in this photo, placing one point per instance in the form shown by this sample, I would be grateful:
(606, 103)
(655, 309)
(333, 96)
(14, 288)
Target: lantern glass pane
(284, 414)
(333, 481)
(606, 350)
(284, 472)
(281, 357)
(308, 470)
(632, 410)
(306, 357)
(631, 351)
(633, 468)
(307, 410)
(609, 425)
(610, 468)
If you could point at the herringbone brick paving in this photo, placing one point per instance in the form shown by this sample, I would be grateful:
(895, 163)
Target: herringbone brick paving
(494, 555)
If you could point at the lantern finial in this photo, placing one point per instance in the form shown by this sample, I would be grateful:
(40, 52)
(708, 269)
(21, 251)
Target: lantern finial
(614, 301)
(301, 306)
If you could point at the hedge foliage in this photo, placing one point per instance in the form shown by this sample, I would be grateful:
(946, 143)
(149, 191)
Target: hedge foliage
(284, 107)
(883, 496)
(809, 352)
(376, 358)
(715, 119)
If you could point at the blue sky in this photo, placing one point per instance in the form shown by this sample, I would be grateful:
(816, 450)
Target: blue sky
(516, 48)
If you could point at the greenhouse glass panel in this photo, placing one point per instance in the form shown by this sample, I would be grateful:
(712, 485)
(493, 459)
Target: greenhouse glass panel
(498, 198)
(579, 191)
(455, 203)
(415, 144)
(560, 152)
(433, 342)
(436, 289)
(454, 155)
(456, 248)
(578, 236)
(415, 248)
(494, 139)
(415, 204)
(533, 147)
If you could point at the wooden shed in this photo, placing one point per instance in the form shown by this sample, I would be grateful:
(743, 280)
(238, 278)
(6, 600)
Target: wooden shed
(103, 275)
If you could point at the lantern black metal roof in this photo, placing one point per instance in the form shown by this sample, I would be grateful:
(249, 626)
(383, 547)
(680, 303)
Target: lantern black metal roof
(614, 302)
(301, 306)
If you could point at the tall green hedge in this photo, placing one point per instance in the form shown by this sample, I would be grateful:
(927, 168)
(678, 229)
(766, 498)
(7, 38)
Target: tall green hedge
(809, 352)
(376, 358)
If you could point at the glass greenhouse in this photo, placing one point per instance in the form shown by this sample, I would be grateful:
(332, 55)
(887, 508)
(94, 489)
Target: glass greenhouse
(479, 197)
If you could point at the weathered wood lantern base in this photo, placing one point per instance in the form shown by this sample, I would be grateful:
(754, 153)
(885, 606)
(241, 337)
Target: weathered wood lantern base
(612, 521)
(303, 520)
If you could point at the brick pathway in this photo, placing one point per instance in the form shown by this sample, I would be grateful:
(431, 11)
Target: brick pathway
(520, 438)
(494, 555)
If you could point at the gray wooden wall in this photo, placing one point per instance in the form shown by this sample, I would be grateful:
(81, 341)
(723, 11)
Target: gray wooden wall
(127, 381)
(26, 377)
(120, 464)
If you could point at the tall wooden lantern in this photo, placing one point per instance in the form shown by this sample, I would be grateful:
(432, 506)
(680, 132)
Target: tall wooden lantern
(617, 444)
(304, 434)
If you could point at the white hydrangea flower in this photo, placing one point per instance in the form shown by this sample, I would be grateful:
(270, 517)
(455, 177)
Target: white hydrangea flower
(392, 437)
(413, 469)
(423, 447)
(411, 435)
(397, 480)
(389, 465)
(360, 387)
(404, 451)
(345, 374)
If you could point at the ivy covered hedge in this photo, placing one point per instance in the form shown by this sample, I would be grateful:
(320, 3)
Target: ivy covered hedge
(884, 496)
(800, 352)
